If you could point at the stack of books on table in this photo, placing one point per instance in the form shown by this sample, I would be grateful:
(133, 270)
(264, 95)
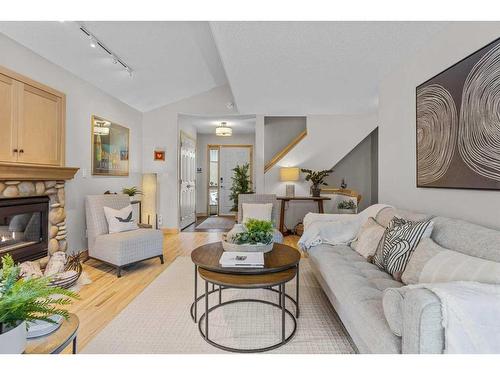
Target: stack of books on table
(237, 259)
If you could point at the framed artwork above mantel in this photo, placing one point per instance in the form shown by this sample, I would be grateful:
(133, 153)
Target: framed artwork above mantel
(458, 124)
(110, 148)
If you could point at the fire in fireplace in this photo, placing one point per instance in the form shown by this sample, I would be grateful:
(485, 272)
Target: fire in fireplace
(24, 227)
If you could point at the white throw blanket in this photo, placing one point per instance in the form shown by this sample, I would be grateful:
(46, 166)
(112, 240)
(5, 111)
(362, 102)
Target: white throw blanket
(471, 316)
(334, 229)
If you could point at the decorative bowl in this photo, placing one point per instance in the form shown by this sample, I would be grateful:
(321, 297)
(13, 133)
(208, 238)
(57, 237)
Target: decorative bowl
(72, 264)
(263, 248)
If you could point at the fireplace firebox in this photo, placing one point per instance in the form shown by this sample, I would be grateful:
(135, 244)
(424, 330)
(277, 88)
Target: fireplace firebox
(24, 227)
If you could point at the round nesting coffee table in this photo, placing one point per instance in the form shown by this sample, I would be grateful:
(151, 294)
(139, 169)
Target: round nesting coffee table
(280, 266)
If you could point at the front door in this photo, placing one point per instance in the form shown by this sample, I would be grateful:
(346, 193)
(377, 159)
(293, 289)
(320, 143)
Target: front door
(187, 181)
(230, 157)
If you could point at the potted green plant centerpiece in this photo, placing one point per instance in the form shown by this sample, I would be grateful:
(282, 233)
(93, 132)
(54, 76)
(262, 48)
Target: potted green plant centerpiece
(317, 179)
(241, 184)
(132, 192)
(347, 207)
(254, 235)
(23, 301)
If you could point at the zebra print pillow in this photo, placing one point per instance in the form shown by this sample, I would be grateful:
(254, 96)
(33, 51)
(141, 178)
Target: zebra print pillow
(400, 239)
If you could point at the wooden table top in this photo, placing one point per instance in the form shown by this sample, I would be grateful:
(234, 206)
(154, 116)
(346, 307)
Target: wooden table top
(304, 198)
(281, 258)
(248, 281)
(53, 341)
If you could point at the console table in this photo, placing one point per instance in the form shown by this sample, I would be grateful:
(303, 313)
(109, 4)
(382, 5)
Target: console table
(283, 200)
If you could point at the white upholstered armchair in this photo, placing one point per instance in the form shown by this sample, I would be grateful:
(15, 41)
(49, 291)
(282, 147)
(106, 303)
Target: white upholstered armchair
(262, 199)
(118, 249)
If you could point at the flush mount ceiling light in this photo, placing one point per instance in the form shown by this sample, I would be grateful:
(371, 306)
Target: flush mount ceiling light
(94, 43)
(223, 130)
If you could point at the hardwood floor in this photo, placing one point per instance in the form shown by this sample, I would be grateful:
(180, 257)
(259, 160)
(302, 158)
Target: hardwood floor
(107, 295)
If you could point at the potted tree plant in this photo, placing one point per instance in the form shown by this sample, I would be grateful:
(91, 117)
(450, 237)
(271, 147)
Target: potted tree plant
(23, 301)
(241, 183)
(317, 179)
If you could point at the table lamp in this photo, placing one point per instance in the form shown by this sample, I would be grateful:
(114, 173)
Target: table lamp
(289, 174)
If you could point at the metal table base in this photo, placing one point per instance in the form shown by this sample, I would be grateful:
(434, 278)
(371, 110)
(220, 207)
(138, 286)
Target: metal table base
(204, 318)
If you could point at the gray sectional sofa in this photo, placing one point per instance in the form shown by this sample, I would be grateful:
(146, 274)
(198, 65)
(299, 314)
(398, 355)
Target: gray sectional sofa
(404, 320)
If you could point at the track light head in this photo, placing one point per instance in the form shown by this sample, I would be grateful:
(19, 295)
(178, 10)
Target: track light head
(93, 42)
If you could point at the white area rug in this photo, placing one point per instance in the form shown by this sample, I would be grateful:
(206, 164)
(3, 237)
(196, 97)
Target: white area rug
(216, 222)
(158, 320)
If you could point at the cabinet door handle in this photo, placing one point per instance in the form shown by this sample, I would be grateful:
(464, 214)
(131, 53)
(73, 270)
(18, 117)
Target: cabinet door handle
(14, 150)
(21, 151)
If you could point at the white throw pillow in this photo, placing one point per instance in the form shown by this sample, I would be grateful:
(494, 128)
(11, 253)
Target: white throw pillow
(431, 263)
(259, 211)
(120, 220)
(369, 237)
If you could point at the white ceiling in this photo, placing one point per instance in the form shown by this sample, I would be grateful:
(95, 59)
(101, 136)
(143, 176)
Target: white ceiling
(314, 67)
(288, 68)
(241, 124)
(171, 60)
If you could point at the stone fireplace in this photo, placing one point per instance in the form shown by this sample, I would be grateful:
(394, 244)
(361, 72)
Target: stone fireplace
(24, 227)
(56, 224)
(18, 183)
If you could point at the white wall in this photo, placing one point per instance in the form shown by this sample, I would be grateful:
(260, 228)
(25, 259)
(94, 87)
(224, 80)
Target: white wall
(397, 154)
(202, 141)
(82, 101)
(329, 138)
(279, 132)
(357, 169)
(258, 155)
(161, 129)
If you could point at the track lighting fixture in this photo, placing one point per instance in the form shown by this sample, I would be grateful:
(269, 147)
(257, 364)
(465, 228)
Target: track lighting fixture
(94, 43)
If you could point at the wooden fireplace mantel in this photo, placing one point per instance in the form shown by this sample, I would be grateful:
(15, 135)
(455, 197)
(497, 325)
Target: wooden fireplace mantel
(31, 172)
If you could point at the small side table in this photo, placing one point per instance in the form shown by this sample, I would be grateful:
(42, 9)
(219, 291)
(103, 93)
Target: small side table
(283, 200)
(57, 341)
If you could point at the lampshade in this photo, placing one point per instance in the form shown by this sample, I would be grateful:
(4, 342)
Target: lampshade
(223, 130)
(289, 174)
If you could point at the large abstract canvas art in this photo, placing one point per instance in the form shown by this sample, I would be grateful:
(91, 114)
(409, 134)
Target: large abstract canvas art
(458, 124)
(110, 148)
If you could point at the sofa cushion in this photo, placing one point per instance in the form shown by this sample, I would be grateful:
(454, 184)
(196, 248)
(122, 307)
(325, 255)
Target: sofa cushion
(358, 286)
(432, 263)
(386, 214)
(368, 238)
(467, 238)
(128, 247)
